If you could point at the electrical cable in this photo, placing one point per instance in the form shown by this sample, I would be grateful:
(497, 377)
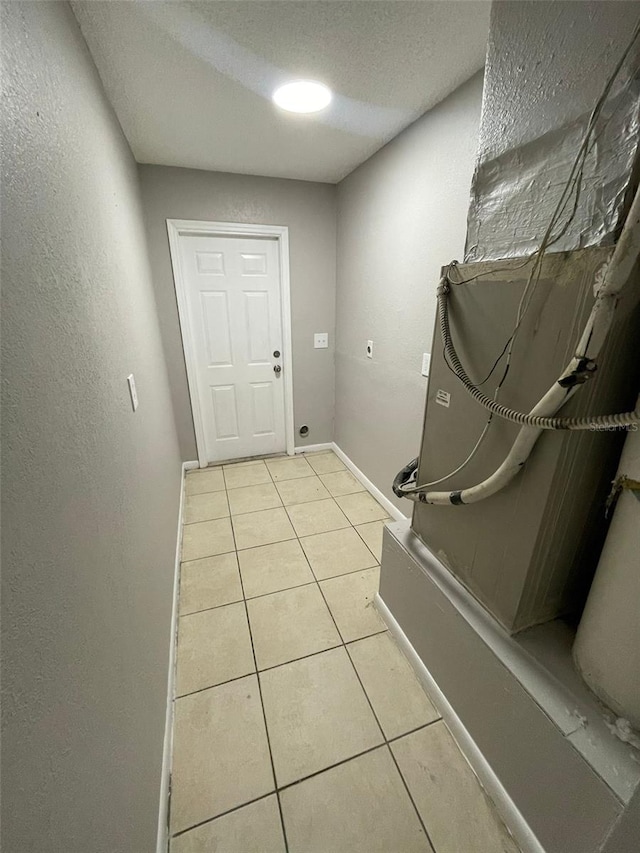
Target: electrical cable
(574, 181)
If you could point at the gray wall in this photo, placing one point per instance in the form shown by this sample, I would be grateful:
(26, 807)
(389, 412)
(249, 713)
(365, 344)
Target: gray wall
(401, 216)
(309, 211)
(90, 489)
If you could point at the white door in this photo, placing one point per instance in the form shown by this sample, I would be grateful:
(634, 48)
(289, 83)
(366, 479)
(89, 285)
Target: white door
(233, 303)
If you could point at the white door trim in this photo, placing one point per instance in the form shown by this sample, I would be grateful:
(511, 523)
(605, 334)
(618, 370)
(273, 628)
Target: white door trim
(192, 227)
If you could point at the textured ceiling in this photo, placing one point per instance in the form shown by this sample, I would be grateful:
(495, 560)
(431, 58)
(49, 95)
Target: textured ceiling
(191, 82)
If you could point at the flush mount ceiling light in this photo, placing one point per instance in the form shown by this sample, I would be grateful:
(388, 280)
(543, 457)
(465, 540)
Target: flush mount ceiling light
(303, 96)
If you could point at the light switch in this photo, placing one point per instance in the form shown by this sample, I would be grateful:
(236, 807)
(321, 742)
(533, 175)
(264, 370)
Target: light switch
(426, 361)
(132, 391)
(321, 340)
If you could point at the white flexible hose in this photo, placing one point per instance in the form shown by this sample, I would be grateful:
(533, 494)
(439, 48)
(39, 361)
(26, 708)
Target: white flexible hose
(607, 294)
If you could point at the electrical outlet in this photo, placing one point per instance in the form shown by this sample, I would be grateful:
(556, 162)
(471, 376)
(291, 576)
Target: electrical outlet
(369, 349)
(321, 340)
(132, 390)
(426, 361)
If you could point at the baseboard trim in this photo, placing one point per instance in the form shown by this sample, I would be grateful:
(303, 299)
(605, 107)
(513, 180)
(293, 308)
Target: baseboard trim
(314, 448)
(505, 806)
(162, 841)
(391, 508)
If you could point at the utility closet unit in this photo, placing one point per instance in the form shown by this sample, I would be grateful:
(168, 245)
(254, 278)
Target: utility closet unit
(489, 595)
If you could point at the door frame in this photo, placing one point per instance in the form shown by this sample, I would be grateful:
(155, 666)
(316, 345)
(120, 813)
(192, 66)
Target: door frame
(177, 228)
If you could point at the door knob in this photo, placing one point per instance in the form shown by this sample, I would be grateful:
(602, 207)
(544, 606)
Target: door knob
(277, 368)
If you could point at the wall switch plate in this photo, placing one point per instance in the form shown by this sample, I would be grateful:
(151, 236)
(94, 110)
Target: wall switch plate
(426, 361)
(132, 390)
(321, 340)
(369, 349)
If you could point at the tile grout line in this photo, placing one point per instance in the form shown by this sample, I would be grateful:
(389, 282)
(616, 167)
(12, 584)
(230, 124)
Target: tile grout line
(356, 756)
(284, 588)
(264, 714)
(284, 663)
(222, 814)
(306, 778)
(342, 644)
(375, 716)
(387, 742)
(231, 515)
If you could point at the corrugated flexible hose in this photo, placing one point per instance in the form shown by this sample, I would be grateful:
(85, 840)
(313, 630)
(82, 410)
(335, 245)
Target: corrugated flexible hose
(526, 419)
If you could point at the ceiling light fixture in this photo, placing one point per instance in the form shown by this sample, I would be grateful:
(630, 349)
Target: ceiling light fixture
(303, 96)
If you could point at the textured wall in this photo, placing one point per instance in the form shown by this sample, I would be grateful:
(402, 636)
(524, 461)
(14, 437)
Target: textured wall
(90, 489)
(309, 211)
(547, 64)
(401, 216)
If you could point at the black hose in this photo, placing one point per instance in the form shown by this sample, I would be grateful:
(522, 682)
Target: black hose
(403, 477)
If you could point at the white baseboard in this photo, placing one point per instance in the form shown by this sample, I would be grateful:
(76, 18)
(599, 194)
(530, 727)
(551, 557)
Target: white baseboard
(391, 508)
(314, 448)
(162, 841)
(505, 806)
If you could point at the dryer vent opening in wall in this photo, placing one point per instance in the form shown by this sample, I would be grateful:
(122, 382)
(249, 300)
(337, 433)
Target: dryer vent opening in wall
(304, 431)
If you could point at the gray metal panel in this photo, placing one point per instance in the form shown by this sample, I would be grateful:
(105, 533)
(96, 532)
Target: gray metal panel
(625, 837)
(519, 551)
(567, 806)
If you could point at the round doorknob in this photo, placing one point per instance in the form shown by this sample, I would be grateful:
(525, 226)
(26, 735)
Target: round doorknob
(277, 368)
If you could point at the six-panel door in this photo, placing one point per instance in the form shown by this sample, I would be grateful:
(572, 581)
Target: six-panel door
(235, 322)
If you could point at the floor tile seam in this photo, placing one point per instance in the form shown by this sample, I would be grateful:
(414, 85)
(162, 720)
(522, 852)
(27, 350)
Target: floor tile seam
(315, 579)
(216, 685)
(231, 516)
(285, 663)
(206, 492)
(318, 581)
(333, 617)
(393, 758)
(412, 800)
(355, 527)
(344, 643)
(351, 572)
(235, 550)
(351, 524)
(302, 657)
(281, 788)
(281, 505)
(384, 743)
(278, 591)
(202, 521)
(250, 511)
(309, 535)
(213, 607)
(354, 757)
(264, 719)
(223, 814)
(298, 537)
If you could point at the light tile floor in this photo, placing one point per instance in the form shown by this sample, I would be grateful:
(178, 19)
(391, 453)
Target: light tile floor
(299, 725)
